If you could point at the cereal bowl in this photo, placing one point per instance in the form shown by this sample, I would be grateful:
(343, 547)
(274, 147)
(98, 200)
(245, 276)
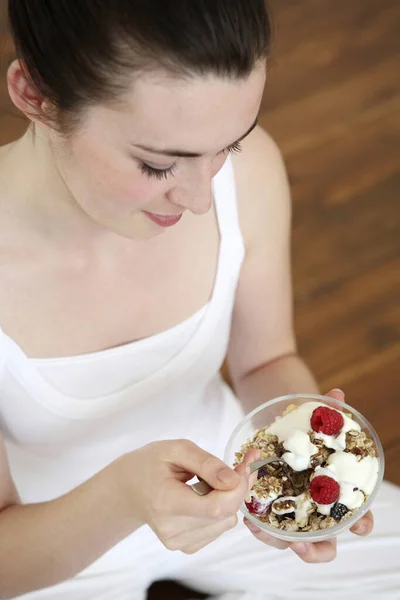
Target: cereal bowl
(330, 469)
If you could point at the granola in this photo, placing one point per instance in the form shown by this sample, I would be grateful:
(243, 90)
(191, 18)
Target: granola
(329, 470)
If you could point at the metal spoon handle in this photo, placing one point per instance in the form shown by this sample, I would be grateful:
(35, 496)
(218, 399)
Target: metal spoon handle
(202, 488)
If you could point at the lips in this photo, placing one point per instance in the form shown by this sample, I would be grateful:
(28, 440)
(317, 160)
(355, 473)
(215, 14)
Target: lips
(163, 220)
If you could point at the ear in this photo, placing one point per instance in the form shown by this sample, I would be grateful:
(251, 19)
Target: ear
(23, 93)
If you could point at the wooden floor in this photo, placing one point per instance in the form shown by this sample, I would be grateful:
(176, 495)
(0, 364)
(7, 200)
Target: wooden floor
(332, 103)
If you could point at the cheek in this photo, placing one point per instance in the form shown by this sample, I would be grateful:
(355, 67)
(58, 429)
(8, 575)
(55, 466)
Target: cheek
(104, 177)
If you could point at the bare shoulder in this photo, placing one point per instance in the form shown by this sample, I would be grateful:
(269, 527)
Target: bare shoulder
(262, 187)
(262, 325)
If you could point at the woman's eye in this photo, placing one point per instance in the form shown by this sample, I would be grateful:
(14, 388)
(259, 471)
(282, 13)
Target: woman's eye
(235, 148)
(159, 174)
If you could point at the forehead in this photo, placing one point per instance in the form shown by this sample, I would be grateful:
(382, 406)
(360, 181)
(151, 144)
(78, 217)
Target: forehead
(198, 113)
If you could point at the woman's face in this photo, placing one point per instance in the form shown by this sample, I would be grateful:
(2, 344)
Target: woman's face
(135, 170)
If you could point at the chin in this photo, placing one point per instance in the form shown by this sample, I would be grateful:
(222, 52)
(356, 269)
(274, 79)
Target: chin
(142, 236)
(133, 228)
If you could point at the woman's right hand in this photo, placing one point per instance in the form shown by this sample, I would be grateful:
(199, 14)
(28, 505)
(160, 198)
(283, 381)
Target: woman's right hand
(153, 481)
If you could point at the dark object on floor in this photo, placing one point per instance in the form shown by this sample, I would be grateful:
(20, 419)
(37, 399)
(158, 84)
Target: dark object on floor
(169, 590)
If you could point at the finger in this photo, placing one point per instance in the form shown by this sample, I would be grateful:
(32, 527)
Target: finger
(197, 547)
(250, 456)
(178, 524)
(263, 536)
(319, 552)
(201, 536)
(336, 394)
(195, 460)
(364, 526)
(178, 498)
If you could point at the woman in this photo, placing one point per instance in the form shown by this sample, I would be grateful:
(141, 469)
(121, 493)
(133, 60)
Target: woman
(136, 255)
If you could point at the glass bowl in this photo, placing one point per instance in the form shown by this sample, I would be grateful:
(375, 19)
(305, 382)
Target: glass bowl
(265, 415)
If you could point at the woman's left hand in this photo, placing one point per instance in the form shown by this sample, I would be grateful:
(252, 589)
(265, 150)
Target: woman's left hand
(317, 552)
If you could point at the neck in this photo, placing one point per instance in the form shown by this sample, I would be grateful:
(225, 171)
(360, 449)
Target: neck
(35, 191)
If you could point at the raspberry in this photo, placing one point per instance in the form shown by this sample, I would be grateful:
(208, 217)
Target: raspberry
(338, 511)
(255, 507)
(326, 420)
(324, 490)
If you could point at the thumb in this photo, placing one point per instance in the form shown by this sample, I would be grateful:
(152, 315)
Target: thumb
(336, 394)
(206, 466)
(251, 455)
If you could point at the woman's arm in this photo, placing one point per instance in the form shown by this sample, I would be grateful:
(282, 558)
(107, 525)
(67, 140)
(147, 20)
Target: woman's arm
(262, 356)
(286, 374)
(43, 544)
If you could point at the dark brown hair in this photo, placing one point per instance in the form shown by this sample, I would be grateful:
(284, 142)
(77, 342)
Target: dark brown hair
(82, 52)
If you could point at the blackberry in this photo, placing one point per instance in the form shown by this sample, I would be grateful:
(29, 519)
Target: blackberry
(338, 511)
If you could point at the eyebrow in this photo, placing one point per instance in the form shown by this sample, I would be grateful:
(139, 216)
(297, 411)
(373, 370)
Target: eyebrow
(183, 153)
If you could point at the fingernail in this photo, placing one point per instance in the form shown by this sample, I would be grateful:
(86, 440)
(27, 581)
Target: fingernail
(338, 390)
(300, 548)
(360, 529)
(227, 476)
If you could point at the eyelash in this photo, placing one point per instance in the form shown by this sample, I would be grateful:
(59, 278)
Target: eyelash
(160, 174)
(236, 148)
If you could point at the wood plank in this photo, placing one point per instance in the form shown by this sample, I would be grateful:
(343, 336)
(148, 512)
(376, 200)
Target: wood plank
(321, 43)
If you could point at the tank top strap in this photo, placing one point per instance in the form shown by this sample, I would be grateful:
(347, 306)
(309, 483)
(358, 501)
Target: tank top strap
(226, 207)
(3, 350)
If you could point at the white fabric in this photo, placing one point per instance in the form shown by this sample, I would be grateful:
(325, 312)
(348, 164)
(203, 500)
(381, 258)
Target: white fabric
(110, 371)
(56, 440)
(239, 567)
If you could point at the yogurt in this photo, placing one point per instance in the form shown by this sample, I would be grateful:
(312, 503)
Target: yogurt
(300, 450)
(356, 478)
(301, 510)
(353, 476)
(300, 419)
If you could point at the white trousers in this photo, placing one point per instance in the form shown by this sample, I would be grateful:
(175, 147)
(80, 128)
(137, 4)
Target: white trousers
(239, 567)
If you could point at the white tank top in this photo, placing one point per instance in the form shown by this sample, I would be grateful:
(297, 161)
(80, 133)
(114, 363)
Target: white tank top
(65, 419)
(110, 371)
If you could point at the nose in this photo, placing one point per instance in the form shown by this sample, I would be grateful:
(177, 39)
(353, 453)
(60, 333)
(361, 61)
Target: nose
(195, 193)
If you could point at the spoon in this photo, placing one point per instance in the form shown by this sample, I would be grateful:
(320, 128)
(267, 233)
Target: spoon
(202, 488)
